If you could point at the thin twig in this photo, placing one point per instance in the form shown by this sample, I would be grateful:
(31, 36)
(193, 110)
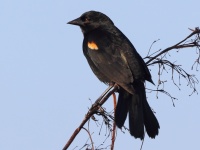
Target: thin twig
(173, 47)
(114, 125)
(89, 137)
(91, 112)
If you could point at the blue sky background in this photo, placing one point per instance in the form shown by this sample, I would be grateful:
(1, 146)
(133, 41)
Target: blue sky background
(46, 83)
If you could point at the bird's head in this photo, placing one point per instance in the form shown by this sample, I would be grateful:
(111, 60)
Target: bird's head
(91, 20)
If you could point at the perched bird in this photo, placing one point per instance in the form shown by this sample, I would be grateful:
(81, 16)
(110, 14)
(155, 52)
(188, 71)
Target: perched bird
(113, 59)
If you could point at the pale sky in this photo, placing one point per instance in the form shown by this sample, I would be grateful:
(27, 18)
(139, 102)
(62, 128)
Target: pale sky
(46, 83)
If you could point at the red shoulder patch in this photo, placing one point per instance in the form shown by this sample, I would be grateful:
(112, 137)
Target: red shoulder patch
(92, 45)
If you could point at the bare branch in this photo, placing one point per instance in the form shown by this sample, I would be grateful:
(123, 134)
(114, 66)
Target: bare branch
(89, 137)
(99, 102)
(114, 125)
(178, 45)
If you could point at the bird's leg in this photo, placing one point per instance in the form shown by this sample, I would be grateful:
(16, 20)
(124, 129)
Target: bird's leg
(116, 85)
(104, 93)
(111, 85)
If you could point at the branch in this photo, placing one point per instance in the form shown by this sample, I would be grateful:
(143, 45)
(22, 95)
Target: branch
(114, 125)
(157, 57)
(177, 46)
(89, 137)
(99, 102)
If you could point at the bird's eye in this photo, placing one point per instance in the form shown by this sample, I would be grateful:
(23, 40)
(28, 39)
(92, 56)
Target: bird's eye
(85, 19)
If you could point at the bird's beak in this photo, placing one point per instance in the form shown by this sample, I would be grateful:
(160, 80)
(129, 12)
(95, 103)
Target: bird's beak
(77, 22)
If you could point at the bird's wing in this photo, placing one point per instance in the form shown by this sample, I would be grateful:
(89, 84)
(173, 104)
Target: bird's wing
(94, 68)
(135, 62)
(103, 54)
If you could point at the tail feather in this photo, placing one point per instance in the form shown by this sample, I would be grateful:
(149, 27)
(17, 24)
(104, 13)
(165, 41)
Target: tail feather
(150, 121)
(140, 113)
(122, 107)
(136, 120)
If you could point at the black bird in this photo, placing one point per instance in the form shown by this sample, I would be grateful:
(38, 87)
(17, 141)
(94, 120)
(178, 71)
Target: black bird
(113, 59)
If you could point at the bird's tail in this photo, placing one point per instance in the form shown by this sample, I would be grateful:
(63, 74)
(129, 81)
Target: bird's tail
(140, 113)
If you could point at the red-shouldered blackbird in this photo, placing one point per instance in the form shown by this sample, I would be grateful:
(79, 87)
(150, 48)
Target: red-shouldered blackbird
(113, 59)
